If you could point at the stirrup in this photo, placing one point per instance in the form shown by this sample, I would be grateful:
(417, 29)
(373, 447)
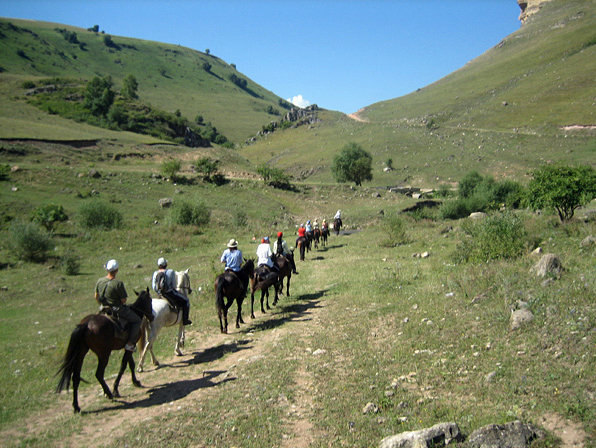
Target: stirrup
(130, 348)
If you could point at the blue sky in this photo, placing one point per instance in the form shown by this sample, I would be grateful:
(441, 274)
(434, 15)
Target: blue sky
(342, 55)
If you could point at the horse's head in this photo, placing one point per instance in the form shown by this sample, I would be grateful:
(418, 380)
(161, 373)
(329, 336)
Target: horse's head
(249, 266)
(183, 282)
(143, 304)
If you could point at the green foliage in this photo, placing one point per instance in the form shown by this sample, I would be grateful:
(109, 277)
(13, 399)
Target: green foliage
(129, 87)
(563, 188)
(469, 183)
(94, 28)
(190, 213)
(48, 215)
(4, 171)
(28, 85)
(207, 167)
(353, 164)
(28, 241)
(394, 226)
(99, 95)
(70, 262)
(275, 177)
(170, 168)
(240, 82)
(498, 236)
(199, 119)
(98, 214)
(272, 111)
(206, 66)
(389, 163)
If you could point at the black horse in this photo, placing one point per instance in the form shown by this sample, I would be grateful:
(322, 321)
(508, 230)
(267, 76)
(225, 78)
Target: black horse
(262, 279)
(99, 333)
(228, 285)
(302, 245)
(337, 225)
(324, 235)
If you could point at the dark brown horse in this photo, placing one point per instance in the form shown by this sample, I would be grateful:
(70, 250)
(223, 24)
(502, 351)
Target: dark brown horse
(324, 236)
(98, 333)
(316, 235)
(337, 225)
(228, 285)
(262, 279)
(285, 270)
(302, 245)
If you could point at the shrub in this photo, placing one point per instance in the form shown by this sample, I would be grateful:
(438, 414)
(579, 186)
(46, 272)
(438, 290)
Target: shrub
(99, 215)
(48, 215)
(190, 213)
(395, 228)
(4, 171)
(274, 177)
(28, 241)
(70, 262)
(170, 168)
(352, 164)
(499, 236)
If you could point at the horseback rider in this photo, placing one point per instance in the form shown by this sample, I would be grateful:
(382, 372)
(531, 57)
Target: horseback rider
(264, 254)
(164, 283)
(111, 293)
(315, 224)
(338, 217)
(324, 225)
(280, 247)
(232, 258)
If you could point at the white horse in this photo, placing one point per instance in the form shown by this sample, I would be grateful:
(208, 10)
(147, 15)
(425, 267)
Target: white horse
(164, 316)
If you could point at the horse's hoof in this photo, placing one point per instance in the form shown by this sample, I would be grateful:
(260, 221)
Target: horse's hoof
(140, 369)
(116, 394)
(252, 316)
(77, 410)
(137, 384)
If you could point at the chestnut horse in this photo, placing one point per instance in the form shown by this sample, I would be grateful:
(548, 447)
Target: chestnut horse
(324, 235)
(316, 235)
(337, 225)
(285, 270)
(229, 286)
(262, 279)
(302, 245)
(98, 332)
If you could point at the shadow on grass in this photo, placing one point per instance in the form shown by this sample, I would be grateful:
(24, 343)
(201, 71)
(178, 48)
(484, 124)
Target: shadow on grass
(168, 392)
(288, 313)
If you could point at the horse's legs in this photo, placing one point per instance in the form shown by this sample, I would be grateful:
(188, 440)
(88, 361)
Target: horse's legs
(239, 320)
(222, 313)
(288, 285)
(102, 362)
(127, 360)
(180, 340)
(76, 379)
(252, 301)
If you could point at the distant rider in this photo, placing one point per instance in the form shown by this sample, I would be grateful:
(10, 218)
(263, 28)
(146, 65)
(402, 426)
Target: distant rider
(280, 247)
(232, 258)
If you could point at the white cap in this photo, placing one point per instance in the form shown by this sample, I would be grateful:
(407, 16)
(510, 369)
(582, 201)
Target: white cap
(112, 266)
(162, 262)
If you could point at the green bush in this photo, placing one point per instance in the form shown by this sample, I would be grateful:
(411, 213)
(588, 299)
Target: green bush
(275, 177)
(4, 171)
(48, 215)
(190, 213)
(394, 227)
(28, 241)
(70, 263)
(498, 236)
(170, 168)
(99, 215)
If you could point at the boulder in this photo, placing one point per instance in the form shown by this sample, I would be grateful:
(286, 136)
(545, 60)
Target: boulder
(548, 265)
(477, 215)
(519, 318)
(435, 436)
(166, 202)
(510, 435)
(94, 173)
(588, 241)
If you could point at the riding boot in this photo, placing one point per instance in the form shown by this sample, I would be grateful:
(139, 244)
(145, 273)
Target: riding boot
(185, 312)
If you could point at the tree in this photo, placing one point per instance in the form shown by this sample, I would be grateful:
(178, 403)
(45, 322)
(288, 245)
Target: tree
(99, 95)
(207, 167)
(129, 87)
(563, 188)
(353, 164)
(170, 168)
(206, 66)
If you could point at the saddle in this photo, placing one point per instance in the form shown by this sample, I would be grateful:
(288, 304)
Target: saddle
(122, 326)
(173, 306)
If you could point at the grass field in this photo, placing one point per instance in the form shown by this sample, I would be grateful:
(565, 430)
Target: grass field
(418, 337)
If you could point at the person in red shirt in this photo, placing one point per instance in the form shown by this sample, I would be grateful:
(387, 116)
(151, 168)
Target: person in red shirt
(301, 230)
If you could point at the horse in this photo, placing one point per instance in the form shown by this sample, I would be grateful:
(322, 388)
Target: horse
(285, 270)
(324, 235)
(337, 225)
(99, 333)
(262, 279)
(228, 285)
(164, 316)
(302, 245)
(316, 235)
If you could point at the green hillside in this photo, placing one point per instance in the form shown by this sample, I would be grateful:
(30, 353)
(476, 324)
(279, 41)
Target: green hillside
(503, 114)
(170, 77)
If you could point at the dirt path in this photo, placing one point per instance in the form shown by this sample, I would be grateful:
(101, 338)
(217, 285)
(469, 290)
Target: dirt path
(356, 116)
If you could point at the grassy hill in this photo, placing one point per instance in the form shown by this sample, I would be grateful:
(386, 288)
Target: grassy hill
(504, 113)
(170, 77)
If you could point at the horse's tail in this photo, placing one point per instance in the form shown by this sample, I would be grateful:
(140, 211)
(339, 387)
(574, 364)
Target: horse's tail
(219, 294)
(76, 346)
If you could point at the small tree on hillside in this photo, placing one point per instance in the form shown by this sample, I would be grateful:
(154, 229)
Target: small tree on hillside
(562, 188)
(129, 87)
(353, 164)
(99, 95)
(207, 167)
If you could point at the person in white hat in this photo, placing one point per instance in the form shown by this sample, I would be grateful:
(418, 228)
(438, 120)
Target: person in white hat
(232, 258)
(110, 292)
(164, 283)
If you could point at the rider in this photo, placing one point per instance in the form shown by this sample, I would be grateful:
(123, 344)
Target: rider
(315, 224)
(110, 292)
(232, 258)
(324, 225)
(164, 283)
(301, 233)
(281, 247)
(338, 216)
(264, 254)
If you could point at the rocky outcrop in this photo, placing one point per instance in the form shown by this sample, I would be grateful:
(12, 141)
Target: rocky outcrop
(529, 7)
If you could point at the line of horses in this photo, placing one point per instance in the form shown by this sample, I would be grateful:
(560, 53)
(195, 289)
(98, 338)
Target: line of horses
(99, 333)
